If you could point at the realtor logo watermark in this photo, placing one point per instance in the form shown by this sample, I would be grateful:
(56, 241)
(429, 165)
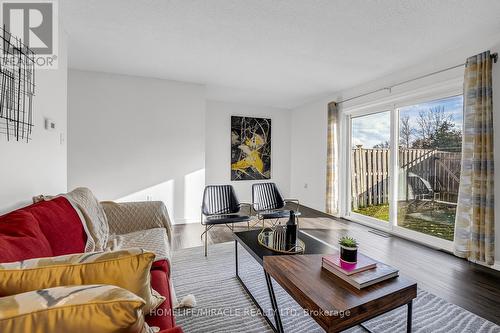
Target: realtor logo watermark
(35, 23)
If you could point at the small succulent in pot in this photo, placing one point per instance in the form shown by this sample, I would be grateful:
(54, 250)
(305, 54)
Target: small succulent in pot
(348, 249)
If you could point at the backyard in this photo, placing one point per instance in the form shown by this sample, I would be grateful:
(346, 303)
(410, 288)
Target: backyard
(420, 165)
(438, 222)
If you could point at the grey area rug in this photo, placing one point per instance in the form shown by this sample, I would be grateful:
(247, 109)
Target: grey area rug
(224, 306)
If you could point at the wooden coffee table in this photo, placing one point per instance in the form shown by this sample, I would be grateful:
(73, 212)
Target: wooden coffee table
(332, 302)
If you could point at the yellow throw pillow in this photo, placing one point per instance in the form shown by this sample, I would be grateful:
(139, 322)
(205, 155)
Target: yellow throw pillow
(75, 309)
(128, 269)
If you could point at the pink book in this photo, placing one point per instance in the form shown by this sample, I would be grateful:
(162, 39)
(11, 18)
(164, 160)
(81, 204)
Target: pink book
(364, 263)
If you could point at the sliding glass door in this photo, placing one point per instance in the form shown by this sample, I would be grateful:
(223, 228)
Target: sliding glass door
(370, 165)
(404, 168)
(430, 145)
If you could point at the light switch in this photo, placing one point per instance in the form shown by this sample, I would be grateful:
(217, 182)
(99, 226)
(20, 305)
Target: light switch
(50, 125)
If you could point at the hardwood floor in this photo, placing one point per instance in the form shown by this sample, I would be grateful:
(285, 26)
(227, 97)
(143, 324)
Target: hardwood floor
(471, 286)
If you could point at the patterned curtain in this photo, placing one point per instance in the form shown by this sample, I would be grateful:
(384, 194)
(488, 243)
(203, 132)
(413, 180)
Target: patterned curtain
(474, 225)
(332, 160)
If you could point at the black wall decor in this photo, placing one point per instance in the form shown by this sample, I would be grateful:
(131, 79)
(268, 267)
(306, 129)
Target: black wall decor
(17, 87)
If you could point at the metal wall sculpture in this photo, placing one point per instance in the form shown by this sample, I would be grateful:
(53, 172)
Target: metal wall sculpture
(250, 148)
(17, 88)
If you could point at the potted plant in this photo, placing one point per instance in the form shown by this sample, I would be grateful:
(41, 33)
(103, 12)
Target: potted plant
(348, 249)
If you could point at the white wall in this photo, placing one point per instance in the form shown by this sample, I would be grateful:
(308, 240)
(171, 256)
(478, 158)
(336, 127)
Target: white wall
(134, 138)
(308, 164)
(38, 167)
(218, 145)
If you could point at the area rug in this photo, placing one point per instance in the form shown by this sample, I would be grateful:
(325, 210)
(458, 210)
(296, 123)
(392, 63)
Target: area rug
(224, 306)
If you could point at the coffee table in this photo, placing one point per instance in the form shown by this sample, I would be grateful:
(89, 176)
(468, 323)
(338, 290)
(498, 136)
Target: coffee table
(323, 295)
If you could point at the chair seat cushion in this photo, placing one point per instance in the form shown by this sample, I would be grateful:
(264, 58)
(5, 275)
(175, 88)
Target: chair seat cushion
(275, 214)
(221, 219)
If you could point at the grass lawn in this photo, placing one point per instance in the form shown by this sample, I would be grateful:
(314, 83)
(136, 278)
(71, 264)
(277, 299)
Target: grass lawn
(434, 228)
(380, 212)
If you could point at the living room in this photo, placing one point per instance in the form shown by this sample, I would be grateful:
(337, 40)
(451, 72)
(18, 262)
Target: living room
(167, 138)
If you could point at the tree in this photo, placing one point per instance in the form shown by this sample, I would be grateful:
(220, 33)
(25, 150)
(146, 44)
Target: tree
(405, 132)
(382, 145)
(447, 137)
(436, 129)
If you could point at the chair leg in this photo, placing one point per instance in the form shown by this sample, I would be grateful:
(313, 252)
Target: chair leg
(201, 221)
(206, 238)
(204, 232)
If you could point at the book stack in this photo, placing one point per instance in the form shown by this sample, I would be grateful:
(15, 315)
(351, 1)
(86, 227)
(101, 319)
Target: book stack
(365, 272)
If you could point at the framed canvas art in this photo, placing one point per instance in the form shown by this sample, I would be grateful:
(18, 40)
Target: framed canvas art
(250, 148)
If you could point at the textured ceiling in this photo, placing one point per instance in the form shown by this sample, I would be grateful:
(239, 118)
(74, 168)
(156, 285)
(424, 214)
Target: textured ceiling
(280, 53)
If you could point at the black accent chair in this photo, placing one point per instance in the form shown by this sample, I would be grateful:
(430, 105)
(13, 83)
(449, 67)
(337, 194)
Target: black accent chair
(269, 204)
(221, 207)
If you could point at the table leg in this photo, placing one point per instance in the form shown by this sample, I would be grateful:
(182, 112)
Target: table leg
(274, 303)
(408, 319)
(250, 294)
(236, 257)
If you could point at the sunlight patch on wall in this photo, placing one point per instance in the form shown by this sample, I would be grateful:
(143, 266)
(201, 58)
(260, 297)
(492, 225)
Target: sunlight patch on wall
(160, 192)
(194, 183)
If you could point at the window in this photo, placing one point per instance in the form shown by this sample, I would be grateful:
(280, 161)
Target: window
(404, 168)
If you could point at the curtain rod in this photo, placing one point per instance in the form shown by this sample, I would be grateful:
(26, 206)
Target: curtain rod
(493, 56)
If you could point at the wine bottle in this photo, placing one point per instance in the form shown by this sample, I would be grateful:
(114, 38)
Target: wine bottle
(291, 232)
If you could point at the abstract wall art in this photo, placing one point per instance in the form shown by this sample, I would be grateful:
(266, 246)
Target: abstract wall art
(17, 87)
(250, 148)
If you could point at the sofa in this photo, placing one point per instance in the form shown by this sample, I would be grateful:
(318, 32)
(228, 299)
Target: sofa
(57, 226)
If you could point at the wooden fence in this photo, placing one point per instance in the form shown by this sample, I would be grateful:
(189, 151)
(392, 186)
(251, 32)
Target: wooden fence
(436, 172)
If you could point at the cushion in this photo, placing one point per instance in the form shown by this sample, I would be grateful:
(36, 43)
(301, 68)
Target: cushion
(223, 219)
(153, 240)
(21, 238)
(60, 224)
(93, 214)
(76, 309)
(128, 269)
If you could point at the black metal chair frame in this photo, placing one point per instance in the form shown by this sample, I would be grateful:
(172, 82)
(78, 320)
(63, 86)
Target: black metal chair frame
(230, 225)
(260, 213)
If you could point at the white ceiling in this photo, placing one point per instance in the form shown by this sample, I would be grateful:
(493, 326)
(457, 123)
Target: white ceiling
(281, 53)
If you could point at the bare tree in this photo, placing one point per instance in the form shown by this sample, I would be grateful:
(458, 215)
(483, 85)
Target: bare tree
(405, 132)
(424, 122)
(382, 145)
(435, 128)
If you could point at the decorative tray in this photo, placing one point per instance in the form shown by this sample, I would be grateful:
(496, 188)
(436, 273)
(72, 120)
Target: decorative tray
(267, 238)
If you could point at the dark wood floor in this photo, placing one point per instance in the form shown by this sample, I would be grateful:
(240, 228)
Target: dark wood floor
(471, 286)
